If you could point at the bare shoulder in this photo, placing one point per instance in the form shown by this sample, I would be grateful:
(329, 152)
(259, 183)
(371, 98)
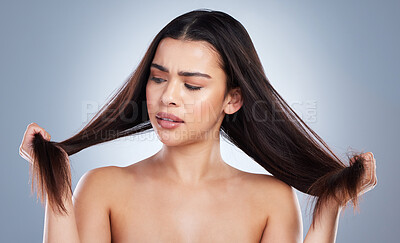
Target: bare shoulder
(98, 183)
(277, 193)
(273, 192)
(101, 173)
(101, 176)
(276, 188)
(282, 209)
(269, 186)
(109, 181)
(92, 199)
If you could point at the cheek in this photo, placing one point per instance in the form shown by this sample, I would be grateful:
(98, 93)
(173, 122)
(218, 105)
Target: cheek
(207, 109)
(151, 98)
(149, 91)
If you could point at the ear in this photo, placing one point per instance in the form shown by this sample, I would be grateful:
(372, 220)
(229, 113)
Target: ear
(233, 101)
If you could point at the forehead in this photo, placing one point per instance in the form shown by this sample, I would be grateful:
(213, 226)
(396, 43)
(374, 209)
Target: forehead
(186, 55)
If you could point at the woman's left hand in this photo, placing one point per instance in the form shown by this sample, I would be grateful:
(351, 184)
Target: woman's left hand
(369, 179)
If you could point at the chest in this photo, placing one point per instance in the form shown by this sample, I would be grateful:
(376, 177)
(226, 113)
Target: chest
(186, 215)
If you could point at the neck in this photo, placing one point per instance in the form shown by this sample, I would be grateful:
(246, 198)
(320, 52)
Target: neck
(193, 163)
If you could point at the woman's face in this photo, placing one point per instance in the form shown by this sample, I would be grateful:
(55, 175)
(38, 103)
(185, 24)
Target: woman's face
(186, 80)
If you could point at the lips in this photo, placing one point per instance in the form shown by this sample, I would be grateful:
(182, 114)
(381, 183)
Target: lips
(168, 117)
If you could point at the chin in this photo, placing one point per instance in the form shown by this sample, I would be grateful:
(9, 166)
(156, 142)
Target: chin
(177, 137)
(171, 138)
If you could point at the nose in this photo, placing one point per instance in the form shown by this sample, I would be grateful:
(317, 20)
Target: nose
(170, 96)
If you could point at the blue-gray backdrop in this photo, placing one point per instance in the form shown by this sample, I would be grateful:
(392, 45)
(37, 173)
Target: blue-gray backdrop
(336, 63)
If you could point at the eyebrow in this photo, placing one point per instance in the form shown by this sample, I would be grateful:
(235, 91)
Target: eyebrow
(181, 73)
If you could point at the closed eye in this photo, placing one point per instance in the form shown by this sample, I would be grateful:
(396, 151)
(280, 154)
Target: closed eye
(157, 80)
(190, 87)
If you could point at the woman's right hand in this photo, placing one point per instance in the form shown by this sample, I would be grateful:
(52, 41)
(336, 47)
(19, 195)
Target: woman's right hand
(57, 227)
(25, 149)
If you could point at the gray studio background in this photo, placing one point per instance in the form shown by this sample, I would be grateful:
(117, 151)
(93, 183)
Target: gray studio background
(336, 63)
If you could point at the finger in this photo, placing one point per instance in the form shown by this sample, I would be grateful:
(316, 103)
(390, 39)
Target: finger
(37, 129)
(373, 169)
(365, 181)
(368, 166)
(367, 155)
(370, 172)
(26, 133)
(32, 129)
(24, 143)
(375, 177)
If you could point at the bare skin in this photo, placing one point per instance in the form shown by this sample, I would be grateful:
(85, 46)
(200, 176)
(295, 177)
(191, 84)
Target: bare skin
(145, 206)
(185, 192)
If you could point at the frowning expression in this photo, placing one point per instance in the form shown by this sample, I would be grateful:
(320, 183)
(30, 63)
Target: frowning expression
(186, 80)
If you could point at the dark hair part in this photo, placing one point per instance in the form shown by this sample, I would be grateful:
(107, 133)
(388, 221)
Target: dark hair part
(265, 127)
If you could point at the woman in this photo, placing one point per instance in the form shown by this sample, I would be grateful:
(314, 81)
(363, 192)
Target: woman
(200, 77)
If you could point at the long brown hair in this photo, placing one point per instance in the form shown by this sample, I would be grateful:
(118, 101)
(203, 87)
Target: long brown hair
(265, 127)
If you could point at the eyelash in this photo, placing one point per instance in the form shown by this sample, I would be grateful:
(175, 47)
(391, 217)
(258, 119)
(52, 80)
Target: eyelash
(190, 87)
